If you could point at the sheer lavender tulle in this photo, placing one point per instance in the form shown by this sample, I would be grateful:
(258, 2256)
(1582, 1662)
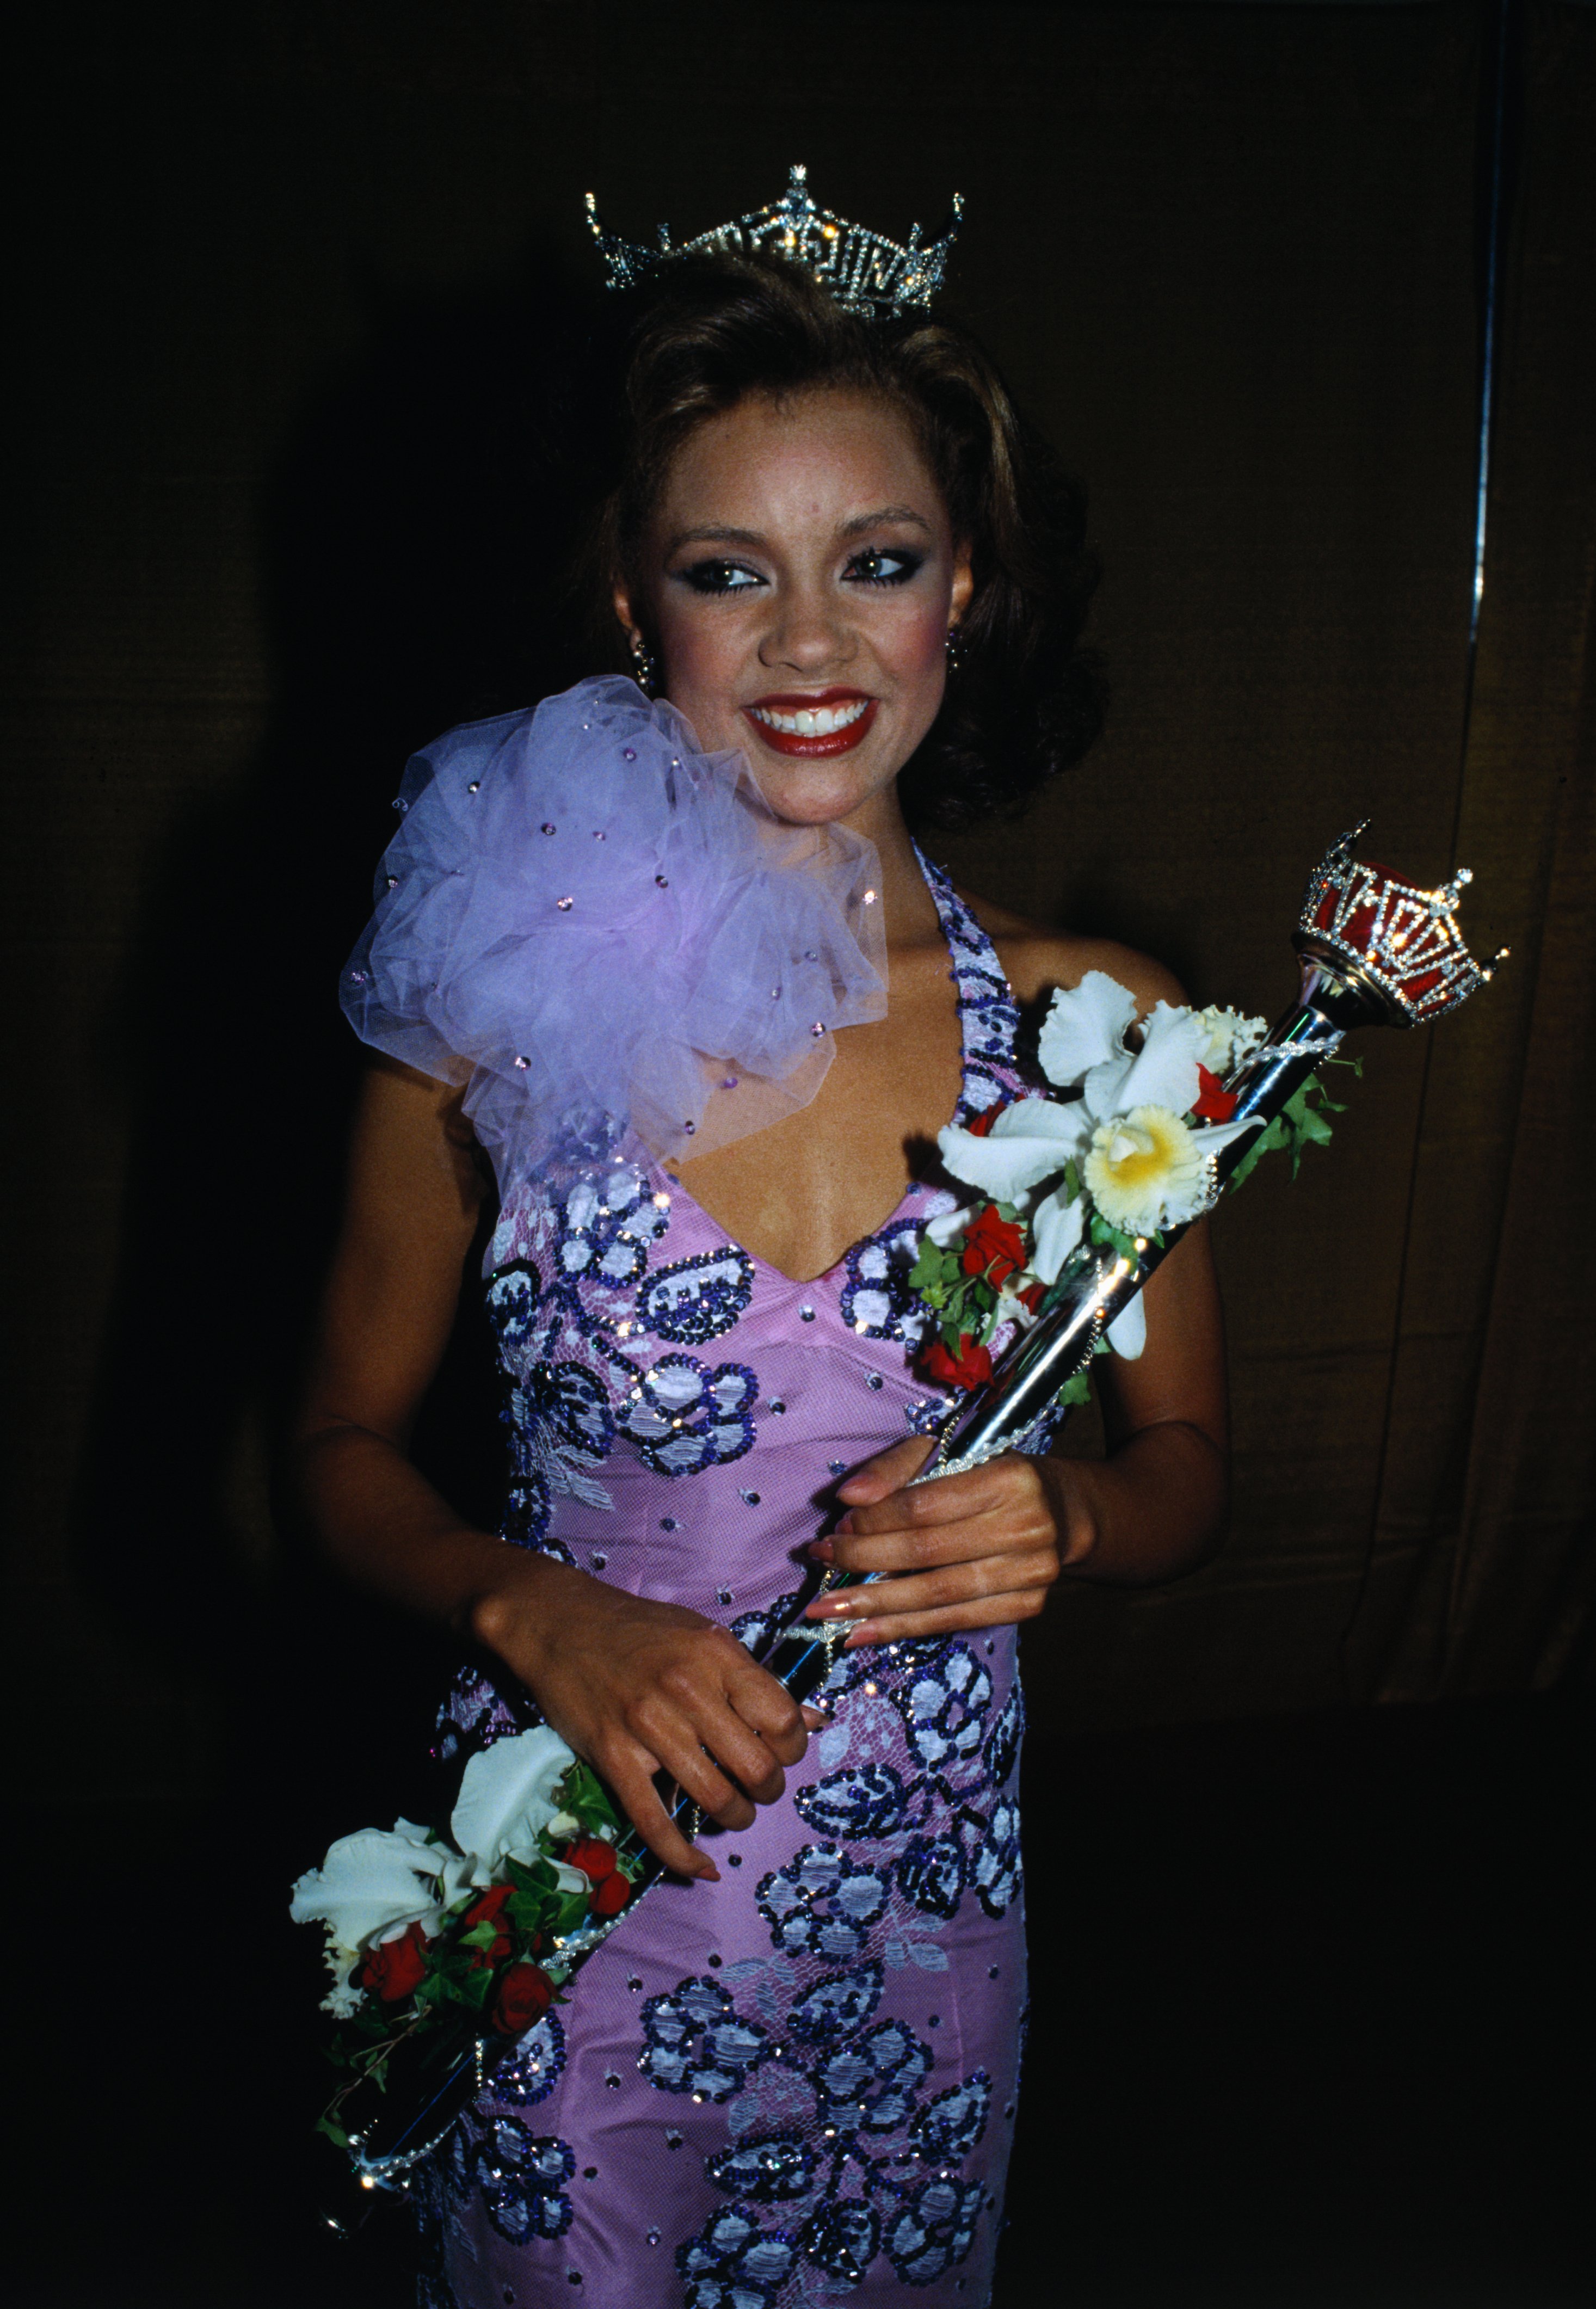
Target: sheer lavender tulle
(599, 927)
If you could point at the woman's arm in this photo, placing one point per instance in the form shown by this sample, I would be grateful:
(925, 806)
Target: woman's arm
(636, 1686)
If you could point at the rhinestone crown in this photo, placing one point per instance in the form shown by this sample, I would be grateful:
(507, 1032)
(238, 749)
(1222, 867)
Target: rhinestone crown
(865, 272)
(1401, 942)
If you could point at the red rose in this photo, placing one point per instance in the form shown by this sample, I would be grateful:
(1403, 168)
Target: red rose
(524, 1995)
(971, 1367)
(982, 1127)
(1033, 1295)
(1212, 1103)
(487, 1911)
(994, 1247)
(610, 1894)
(396, 1969)
(592, 1855)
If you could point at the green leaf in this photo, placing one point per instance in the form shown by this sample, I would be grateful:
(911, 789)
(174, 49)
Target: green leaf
(1076, 1389)
(1111, 1238)
(334, 2132)
(1277, 1134)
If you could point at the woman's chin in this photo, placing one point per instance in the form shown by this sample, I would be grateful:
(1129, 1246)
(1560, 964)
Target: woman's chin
(819, 791)
(814, 793)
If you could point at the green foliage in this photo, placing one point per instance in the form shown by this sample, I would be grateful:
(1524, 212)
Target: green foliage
(586, 1798)
(1113, 1238)
(1299, 1124)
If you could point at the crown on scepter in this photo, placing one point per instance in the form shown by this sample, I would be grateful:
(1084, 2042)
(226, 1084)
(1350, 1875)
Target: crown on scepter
(1399, 944)
(865, 272)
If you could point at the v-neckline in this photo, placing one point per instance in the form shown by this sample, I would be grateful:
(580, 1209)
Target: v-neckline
(952, 914)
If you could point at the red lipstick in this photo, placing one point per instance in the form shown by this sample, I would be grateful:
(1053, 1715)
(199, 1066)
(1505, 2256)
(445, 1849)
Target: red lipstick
(808, 744)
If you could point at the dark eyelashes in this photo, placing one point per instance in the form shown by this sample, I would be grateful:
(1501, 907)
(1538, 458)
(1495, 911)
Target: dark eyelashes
(716, 577)
(909, 565)
(877, 566)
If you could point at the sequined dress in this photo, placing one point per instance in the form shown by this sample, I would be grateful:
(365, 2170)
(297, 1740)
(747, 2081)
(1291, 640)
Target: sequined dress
(799, 2084)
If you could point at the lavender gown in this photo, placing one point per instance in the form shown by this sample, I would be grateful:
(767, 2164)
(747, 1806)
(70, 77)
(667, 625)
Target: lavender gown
(796, 2085)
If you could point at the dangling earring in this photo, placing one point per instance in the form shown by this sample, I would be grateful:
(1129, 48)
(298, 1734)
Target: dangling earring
(646, 671)
(955, 649)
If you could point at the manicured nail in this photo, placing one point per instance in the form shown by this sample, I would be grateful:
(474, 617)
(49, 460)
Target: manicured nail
(867, 1633)
(822, 1550)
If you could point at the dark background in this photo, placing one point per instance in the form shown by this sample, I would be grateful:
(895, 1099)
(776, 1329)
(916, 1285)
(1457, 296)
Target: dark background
(305, 329)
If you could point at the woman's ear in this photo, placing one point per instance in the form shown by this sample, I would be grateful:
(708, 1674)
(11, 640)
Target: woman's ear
(622, 599)
(963, 585)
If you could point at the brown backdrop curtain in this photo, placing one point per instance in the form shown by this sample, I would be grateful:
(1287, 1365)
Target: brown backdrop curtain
(306, 288)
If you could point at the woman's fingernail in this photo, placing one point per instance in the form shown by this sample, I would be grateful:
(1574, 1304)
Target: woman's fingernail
(822, 1550)
(857, 1638)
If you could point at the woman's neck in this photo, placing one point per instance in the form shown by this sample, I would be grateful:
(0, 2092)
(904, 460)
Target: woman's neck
(912, 916)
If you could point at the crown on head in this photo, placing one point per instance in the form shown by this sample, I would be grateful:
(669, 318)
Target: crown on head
(866, 273)
(1401, 943)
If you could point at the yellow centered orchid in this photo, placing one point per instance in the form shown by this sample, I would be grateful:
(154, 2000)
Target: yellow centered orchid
(1146, 1171)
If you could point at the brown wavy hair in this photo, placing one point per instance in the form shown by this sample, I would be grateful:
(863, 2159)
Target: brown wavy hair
(1026, 700)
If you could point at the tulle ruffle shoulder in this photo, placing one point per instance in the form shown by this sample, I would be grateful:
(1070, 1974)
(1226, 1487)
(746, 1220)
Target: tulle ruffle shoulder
(599, 927)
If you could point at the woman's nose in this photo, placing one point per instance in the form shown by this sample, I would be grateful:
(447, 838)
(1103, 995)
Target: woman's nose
(807, 635)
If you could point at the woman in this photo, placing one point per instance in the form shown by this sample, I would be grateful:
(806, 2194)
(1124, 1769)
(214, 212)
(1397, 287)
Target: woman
(792, 2076)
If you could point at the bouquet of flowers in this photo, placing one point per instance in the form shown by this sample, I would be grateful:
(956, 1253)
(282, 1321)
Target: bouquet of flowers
(446, 1947)
(437, 1938)
(1129, 1155)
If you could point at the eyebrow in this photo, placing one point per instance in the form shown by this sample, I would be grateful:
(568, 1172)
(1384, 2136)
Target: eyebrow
(752, 540)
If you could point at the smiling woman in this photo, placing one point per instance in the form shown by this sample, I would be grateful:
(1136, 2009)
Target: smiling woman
(680, 970)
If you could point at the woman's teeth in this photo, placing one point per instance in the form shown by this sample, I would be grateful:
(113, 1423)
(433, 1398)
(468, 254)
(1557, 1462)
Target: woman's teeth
(811, 722)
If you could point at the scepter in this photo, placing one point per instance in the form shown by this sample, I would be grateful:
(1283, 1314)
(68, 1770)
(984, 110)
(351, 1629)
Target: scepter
(1374, 950)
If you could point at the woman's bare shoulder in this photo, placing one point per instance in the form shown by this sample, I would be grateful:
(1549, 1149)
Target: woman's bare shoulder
(1036, 959)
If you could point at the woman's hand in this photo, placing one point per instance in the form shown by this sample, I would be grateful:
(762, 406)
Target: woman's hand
(976, 1551)
(639, 1688)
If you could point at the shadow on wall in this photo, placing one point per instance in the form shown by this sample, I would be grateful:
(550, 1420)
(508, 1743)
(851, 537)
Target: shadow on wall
(417, 531)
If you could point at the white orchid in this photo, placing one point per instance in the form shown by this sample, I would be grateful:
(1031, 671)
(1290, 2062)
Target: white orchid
(1228, 1037)
(1031, 1140)
(1082, 1041)
(1147, 1169)
(507, 1793)
(345, 1997)
(1122, 1150)
(1084, 1025)
(371, 1885)
(1057, 1226)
